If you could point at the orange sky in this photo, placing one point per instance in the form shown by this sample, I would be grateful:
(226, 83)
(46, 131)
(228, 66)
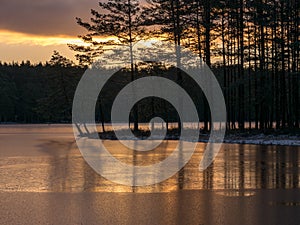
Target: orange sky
(32, 30)
(16, 46)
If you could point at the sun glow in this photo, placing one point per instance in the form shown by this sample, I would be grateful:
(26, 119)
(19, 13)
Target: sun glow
(12, 38)
(17, 46)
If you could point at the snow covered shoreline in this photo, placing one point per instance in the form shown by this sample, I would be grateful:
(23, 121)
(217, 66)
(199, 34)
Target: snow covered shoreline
(262, 139)
(252, 139)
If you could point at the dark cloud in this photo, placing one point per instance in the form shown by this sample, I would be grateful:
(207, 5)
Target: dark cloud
(45, 17)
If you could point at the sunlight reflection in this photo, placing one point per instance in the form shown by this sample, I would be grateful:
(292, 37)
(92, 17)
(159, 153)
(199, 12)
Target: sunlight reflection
(52, 163)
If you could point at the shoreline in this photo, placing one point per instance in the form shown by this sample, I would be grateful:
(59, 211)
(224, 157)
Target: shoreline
(281, 140)
(232, 138)
(286, 137)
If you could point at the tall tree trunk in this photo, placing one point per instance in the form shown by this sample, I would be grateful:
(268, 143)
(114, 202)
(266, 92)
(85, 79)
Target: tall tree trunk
(241, 68)
(207, 21)
(135, 108)
(282, 80)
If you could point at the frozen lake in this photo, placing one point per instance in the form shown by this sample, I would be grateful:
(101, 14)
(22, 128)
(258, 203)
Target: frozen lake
(41, 168)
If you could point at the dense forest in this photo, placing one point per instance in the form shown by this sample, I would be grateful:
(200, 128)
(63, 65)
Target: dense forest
(252, 46)
(38, 93)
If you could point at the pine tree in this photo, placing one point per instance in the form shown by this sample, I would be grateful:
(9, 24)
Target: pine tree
(122, 23)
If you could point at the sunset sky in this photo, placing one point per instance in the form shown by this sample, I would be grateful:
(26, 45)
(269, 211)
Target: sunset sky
(33, 29)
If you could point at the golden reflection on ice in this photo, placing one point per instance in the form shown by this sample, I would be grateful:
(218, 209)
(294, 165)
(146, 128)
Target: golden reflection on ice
(52, 163)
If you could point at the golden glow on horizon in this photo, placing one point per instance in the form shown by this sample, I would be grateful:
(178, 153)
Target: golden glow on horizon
(17, 46)
(13, 38)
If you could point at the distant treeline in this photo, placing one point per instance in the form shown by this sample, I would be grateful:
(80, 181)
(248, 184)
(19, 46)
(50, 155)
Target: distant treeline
(44, 93)
(38, 93)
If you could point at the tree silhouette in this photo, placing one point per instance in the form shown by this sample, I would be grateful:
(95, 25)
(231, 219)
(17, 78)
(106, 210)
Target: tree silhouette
(58, 97)
(122, 23)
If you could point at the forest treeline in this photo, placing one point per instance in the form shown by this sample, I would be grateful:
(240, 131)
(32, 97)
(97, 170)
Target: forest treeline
(252, 46)
(38, 93)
